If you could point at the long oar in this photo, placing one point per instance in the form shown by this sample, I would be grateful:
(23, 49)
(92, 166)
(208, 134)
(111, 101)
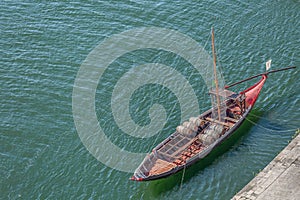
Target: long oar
(266, 73)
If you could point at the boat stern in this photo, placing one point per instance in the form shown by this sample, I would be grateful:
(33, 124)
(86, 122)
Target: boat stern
(134, 178)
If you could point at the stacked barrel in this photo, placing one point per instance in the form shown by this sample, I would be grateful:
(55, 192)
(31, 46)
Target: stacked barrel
(211, 134)
(189, 127)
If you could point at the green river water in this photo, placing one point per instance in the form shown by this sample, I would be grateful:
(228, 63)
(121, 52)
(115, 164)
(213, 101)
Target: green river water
(43, 45)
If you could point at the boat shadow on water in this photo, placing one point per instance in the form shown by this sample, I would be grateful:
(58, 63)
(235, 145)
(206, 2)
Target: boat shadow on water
(158, 187)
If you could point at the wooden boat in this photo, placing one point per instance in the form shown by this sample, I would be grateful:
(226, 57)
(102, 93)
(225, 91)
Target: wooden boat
(197, 137)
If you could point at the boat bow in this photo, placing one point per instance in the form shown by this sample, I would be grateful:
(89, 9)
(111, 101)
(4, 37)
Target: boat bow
(253, 92)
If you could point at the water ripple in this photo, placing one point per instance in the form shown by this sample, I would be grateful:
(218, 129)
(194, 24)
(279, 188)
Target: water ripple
(42, 47)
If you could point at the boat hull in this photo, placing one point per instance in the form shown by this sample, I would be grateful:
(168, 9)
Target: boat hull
(251, 94)
(196, 158)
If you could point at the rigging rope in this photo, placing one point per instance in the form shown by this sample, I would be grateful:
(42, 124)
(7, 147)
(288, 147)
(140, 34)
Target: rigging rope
(256, 124)
(174, 106)
(182, 177)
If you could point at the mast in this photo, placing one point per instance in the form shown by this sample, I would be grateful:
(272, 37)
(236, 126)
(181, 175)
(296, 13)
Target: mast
(215, 72)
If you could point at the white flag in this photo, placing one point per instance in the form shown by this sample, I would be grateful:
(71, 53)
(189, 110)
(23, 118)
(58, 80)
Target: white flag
(268, 64)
